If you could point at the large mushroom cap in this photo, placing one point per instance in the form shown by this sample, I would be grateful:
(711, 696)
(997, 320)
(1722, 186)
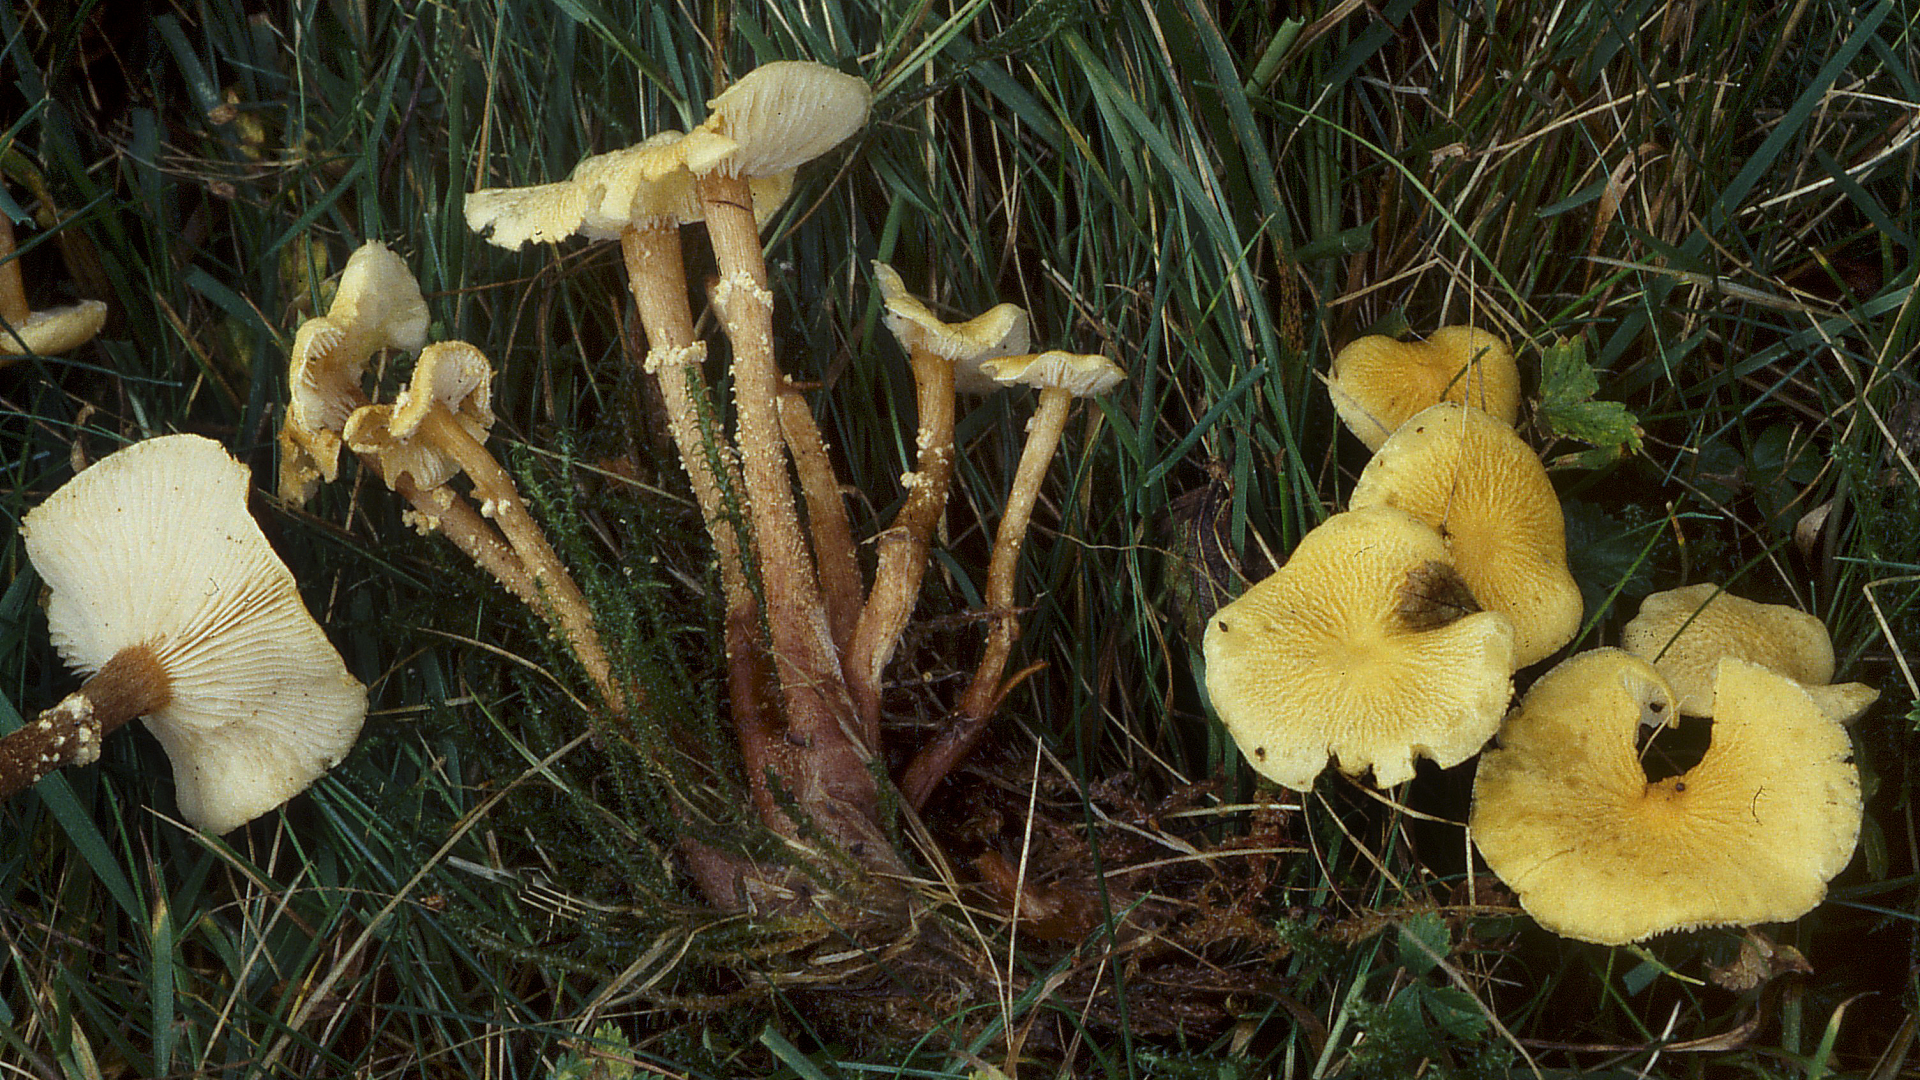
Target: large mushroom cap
(153, 545)
(778, 117)
(1378, 383)
(1686, 632)
(1565, 815)
(1469, 476)
(1363, 646)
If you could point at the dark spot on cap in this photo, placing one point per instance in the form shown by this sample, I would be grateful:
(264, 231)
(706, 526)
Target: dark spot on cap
(1260, 752)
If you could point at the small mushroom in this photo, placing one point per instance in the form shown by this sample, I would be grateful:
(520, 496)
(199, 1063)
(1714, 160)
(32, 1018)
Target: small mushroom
(166, 592)
(1564, 813)
(43, 333)
(377, 305)
(1686, 632)
(941, 353)
(1060, 377)
(1468, 475)
(1378, 383)
(436, 428)
(1365, 646)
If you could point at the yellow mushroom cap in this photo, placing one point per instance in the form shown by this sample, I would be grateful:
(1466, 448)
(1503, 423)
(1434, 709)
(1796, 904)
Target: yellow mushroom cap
(643, 184)
(377, 305)
(1364, 647)
(1469, 476)
(153, 546)
(1378, 383)
(56, 330)
(1002, 330)
(1080, 374)
(1686, 632)
(776, 118)
(1565, 815)
(452, 375)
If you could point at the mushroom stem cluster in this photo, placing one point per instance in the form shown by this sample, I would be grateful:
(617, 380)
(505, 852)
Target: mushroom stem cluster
(807, 640)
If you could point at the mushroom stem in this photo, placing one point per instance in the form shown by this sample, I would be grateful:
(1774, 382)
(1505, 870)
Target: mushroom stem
(13, 292)
(656, 277)
(471, 533)
(830, 782)
(903, 548)
(840, 586)
(982, 696)
(131, 683)
(500, 500)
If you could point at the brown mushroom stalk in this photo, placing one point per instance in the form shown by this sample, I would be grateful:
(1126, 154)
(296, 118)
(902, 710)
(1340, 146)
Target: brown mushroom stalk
(827, 524)
(132, 683)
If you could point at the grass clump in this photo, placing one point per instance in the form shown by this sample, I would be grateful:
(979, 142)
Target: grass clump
(1715, 202)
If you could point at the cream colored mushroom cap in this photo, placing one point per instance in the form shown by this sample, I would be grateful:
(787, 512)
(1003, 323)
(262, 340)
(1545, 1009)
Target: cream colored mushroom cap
(1378, 383)
(1357, 649)
(56, 330)
(154, 545)
(1468, 475)
(1565, 815)
(1686, 632)
(377, 305)
(778, 117)
(1001, 331)
(452, 375)
(1082, 375)
(646, 183)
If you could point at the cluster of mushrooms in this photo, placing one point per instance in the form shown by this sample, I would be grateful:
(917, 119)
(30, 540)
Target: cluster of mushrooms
(1395, 628)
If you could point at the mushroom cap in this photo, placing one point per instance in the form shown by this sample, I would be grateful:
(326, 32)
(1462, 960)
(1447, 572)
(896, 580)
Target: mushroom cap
(56, 330)
(644, 183)
(450, 374)
(376, 306)
(1468, 475)
(1082, 375)
(153, 545)
(776, 118)
(1565, 815)
(1378, 383)
(1358, 648)
(1686, 632)
(1002, 330)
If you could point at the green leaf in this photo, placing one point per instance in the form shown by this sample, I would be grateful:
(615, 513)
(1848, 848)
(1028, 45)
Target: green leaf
(1567, 386)
(1424, 941)
(1455, 1012)
(1607, 556)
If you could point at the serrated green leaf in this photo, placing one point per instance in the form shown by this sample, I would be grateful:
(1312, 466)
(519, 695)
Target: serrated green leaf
(1455, 1012)
(1567, 386)
(1423, 942)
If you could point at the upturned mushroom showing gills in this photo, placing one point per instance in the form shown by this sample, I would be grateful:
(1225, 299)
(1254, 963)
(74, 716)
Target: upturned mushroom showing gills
(1378, 383)
(165, 592)
(1469, 476)
(1686, 632)
(1564, 813)
(1365, 646)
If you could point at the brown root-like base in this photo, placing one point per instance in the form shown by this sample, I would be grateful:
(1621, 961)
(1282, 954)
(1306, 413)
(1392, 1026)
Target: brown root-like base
(130, 684)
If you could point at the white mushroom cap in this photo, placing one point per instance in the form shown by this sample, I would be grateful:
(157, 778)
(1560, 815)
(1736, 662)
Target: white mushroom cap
(1082, 375)
(778, 117)
(153, 545)
(450, 374)
(1002, 330)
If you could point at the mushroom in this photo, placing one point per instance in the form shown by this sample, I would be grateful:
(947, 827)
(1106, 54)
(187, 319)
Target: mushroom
(1060, 377)
(42, 333)
(377, 305)
(939, 352)
(436, 428)
(164, 590)
(1468, 475)
(1686, 632)
(1378, 383)
(1564, 813)
(1366, 646)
